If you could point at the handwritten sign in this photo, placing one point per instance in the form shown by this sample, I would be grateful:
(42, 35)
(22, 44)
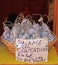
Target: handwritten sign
(32, 50)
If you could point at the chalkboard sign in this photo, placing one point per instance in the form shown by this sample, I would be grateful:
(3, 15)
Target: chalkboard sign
(32, 50)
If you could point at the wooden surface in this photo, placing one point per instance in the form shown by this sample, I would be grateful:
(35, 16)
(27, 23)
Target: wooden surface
(56, 22)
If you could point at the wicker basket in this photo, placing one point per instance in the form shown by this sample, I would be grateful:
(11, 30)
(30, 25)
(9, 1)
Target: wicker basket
(9, 45)
(12, 48)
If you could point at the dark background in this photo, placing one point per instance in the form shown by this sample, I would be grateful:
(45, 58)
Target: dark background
(26, 6)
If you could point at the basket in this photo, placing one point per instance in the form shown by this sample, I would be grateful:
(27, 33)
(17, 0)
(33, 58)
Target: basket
(12, 48)
(9, 45)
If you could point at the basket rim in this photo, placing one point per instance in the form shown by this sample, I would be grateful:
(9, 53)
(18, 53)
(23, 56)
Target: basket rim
(27, 39)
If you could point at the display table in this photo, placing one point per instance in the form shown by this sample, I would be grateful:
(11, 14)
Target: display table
(6, 57)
